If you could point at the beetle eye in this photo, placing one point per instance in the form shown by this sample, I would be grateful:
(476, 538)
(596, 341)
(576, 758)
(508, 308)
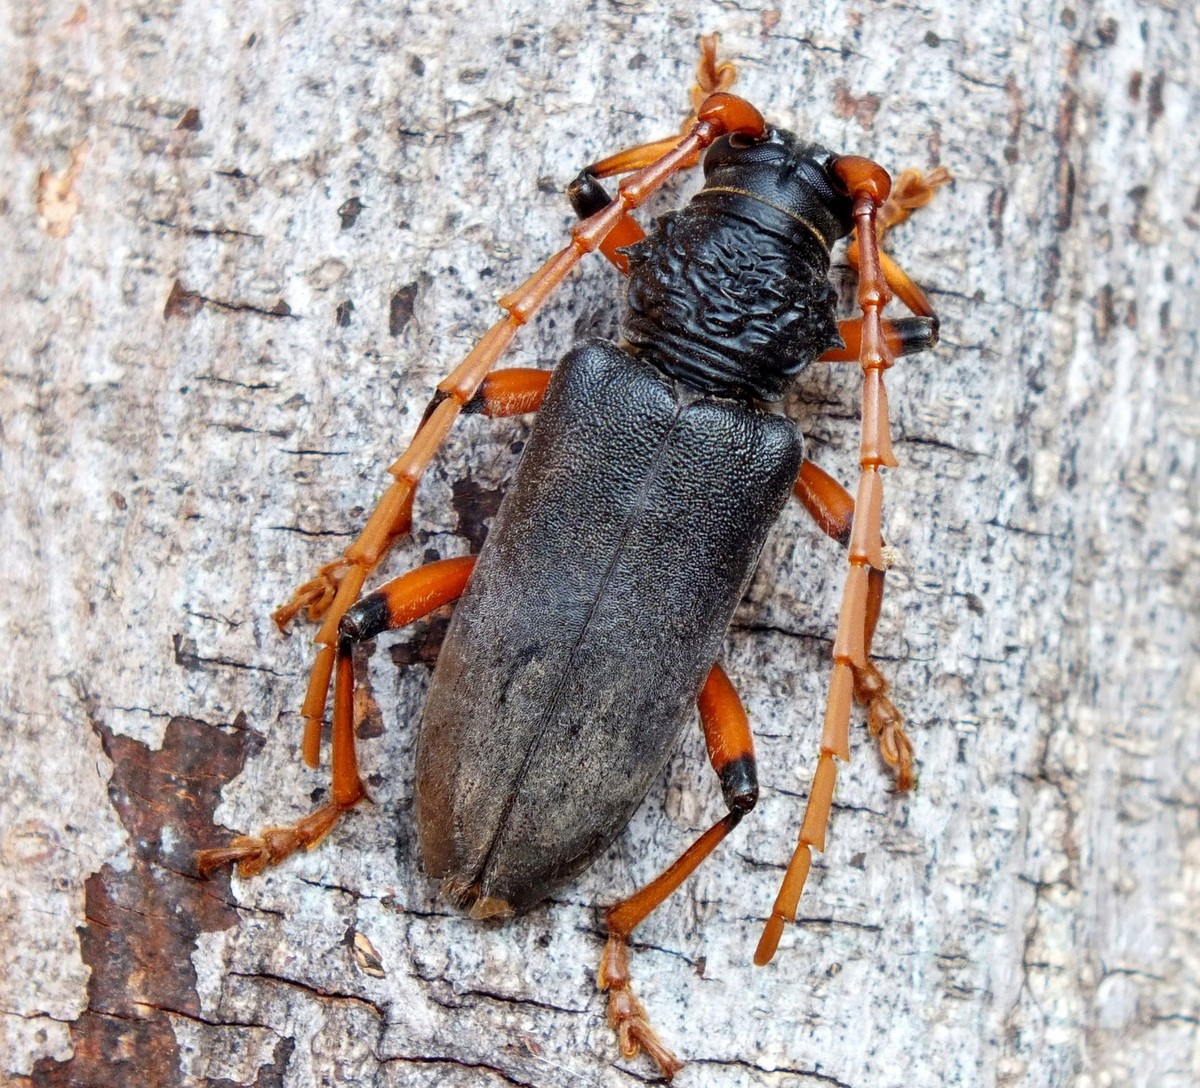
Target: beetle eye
(835, 179)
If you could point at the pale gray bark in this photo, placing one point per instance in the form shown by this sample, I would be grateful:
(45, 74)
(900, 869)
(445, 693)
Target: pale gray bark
(1025, 918)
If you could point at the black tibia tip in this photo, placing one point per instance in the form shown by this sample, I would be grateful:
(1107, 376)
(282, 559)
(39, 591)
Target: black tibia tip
(431, 407)
(916, 334)
(369, 617)
(739, 785)
(587, 195)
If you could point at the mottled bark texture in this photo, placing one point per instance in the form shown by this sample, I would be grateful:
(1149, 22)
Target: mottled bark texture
(241, 244)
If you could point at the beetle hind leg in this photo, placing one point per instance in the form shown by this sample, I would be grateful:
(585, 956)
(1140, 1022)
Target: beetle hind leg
(731, 753)
(626, 1014)
(400, 602)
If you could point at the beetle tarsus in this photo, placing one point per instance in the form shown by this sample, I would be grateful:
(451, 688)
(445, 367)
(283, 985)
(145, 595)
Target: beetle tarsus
(711, 76)
(626, 1014)
(313, 597)
(886, 724)
(911, 190)
(251, 854)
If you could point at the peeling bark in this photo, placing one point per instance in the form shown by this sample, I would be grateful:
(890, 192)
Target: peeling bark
(141, 921)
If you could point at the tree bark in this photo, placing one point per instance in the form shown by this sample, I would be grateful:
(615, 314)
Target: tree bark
(243, 245)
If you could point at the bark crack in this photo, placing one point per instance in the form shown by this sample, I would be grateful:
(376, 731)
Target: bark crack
(311, 988)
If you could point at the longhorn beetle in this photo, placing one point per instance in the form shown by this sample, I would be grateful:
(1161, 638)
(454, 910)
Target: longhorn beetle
(590, 621)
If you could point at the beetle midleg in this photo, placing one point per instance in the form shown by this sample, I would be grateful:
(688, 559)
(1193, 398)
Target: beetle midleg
(400, 602)
(832, 508)
(502, 393)
(510, 392)
(908, 336)
(337, 584)
(731, 753)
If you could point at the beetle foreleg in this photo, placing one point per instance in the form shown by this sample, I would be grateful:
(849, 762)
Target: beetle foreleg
(588, 196)
(870, 186)
(832, 508)
(910, 191)
(731, 753)
(711, 76)
(338, 584)
(400, 602)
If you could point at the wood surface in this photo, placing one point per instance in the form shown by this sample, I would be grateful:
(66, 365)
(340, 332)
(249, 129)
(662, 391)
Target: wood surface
(242, 243)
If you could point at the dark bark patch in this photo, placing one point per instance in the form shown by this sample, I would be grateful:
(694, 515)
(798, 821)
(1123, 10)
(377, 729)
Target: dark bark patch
(400, 311)
(861, 108)
(349, 211)
(142, 919)
(475, 506)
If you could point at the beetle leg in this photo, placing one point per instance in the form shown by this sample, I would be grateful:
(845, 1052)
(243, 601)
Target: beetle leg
(908, 336)
(711, 76)
(911, 190)
(869, 185)
(731, 753)
(832, 508)
(588, 196)
(502, 393)
(511, 392)
(400, 602)
(337, 585)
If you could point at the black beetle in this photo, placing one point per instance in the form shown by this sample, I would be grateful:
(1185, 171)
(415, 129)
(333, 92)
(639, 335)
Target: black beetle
(590, 622)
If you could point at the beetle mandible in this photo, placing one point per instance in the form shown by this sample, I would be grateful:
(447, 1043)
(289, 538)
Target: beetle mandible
(652, 474)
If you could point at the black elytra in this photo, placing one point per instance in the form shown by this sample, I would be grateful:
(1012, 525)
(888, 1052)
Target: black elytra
(652, 475)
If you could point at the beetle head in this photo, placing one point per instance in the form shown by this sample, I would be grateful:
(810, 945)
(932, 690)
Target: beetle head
(785, 173)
